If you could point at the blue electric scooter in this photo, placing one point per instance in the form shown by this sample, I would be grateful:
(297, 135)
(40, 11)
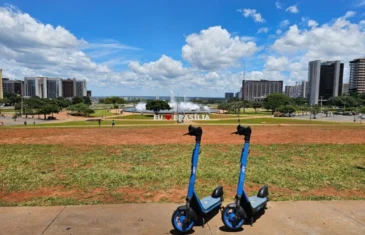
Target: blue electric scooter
(244, 208)
(196, 210)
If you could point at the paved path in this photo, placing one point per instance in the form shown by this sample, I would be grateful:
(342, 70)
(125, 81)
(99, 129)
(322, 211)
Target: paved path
(304, 217)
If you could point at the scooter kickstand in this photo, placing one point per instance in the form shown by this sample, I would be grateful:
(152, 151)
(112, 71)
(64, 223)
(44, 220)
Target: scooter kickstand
(203, 222)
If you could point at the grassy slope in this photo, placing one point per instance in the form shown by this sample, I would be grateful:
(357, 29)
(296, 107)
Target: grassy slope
(293, 172)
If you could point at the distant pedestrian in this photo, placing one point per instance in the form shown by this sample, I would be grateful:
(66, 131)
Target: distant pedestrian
(99, 121)
(25, 123)
(1, 124)
(113, 123)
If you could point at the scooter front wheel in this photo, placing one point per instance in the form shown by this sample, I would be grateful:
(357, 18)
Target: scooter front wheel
(230, 218)
(179, 222)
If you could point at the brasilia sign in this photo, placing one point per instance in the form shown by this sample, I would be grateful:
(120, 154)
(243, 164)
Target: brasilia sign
(182, 117)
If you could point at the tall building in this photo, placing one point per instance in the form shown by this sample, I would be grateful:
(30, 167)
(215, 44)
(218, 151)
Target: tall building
(314, 74)
(1, 84)
(357, 75)
(13, 86)
(88, 93)
(304, 90)
(296, 91)
(228, 95)
(43, 87)
(81, 88)
(68, 87)
(258, 90)
(324, 80)
(331, 80)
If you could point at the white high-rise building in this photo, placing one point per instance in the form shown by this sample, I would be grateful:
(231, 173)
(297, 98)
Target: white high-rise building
(43, 87)
(357, 76)
(314, 74)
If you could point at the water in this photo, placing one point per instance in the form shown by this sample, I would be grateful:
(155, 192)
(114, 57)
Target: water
(181, 107)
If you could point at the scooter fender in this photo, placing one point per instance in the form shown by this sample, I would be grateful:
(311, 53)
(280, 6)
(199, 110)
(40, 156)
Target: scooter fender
(191, 212)
(240, 211)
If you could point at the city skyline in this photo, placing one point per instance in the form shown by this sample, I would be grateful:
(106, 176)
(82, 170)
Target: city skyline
(185, 47)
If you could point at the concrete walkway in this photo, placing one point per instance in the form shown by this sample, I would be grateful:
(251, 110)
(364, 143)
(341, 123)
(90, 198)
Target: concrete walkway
(304, 217)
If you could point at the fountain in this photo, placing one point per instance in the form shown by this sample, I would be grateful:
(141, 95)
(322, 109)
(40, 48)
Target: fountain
(184, 107)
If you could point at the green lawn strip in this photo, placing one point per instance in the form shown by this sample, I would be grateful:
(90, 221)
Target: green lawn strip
(292, 171)
(107, 122)
(136, 116)
(265, 121)
(101, 112)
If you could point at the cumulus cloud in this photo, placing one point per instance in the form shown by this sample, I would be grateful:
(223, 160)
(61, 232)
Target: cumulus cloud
(253, 14)
(338, 40)
(215, 48)
(277, 64)
(278, 5)
(32, 48)
(263, 30)
(164, 68)
(312, 23)
(293, 9)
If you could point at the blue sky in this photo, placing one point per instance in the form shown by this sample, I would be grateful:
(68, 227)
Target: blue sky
(192, 47)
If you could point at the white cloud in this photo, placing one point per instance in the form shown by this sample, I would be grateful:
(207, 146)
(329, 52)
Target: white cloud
(254, 14)
(32, 48)
(279, 31)
(338, 40)
(278, 5)
(277, 64)
(293, 9)
(284, 23)
(263, 30)
(214, 48)
(164, 68)
(312, 23)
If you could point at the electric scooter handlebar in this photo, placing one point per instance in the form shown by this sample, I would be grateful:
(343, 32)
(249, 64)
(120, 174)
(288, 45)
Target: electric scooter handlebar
(245, 131)
(195, 131)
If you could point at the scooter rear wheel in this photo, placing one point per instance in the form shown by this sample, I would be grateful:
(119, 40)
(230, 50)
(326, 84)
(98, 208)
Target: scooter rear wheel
(179, 223)
(230, 219)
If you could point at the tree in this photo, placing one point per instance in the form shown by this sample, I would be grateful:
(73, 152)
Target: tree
(87, 100)
(224, 106)
(77, 100)
(112, 100)
(256, 105)
(157, 105)
(81, 109)
(273, 101)
(245, 104)
(62, 102)
(49, 109)
(344, 101)
(12, 98)
(300, 101)
(286, 109)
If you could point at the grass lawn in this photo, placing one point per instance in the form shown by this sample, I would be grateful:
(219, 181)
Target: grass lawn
(102, 112)
(136, 116)
(107, 122)
(58, 175)
(264, 121)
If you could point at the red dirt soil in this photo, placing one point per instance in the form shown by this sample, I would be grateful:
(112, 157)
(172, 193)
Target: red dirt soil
(174, 135)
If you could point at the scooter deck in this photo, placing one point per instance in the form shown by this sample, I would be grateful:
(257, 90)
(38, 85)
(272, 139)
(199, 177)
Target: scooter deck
(209, 202)
(257, 202)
